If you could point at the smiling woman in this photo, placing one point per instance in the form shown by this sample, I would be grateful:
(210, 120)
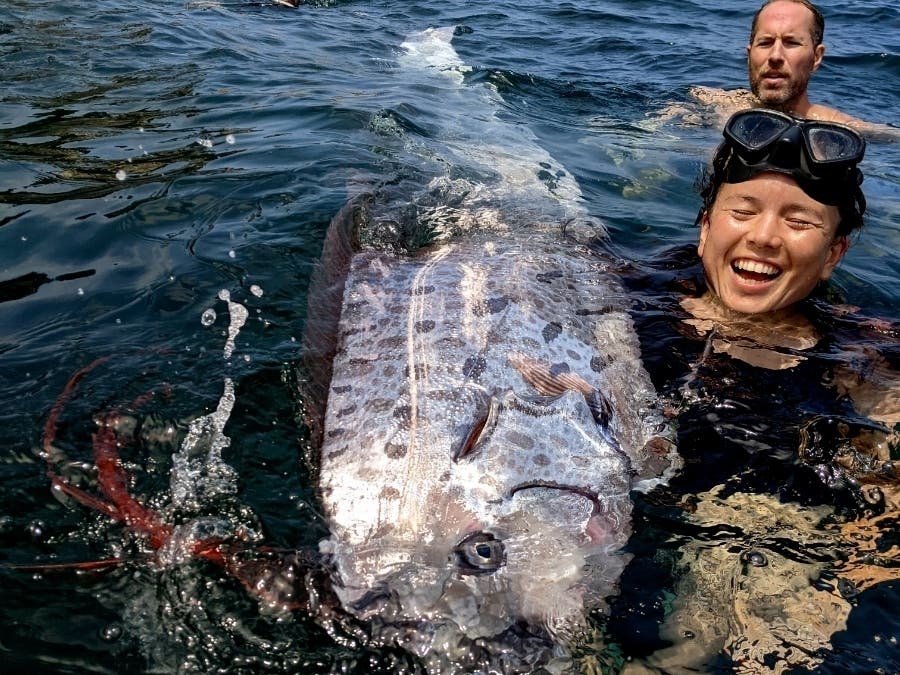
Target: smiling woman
(768, 403)
(765, 244)
(780, 201)
(781, 198)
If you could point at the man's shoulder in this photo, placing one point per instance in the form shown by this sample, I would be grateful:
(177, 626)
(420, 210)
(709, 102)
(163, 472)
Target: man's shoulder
(728, 101)
(823, 113)
(870, 129)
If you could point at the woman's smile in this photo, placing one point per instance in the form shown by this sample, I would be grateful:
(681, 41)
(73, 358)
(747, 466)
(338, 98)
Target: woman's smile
(765, 243)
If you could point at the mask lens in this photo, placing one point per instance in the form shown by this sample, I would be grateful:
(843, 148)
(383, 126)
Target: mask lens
(755, 131)
(833, 145)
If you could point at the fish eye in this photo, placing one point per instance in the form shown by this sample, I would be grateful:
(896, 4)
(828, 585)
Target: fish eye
(480, 553)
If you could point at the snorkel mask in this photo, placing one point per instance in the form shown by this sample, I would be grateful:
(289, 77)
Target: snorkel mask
(821, 156)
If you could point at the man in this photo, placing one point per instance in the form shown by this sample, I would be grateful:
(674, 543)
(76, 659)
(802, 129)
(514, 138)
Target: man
(785, 50)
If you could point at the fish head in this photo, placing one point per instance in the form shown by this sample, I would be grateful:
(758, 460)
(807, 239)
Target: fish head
(524, 538)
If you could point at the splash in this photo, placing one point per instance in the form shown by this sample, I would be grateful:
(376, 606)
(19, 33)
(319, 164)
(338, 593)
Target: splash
(238, 317)
(199, 474)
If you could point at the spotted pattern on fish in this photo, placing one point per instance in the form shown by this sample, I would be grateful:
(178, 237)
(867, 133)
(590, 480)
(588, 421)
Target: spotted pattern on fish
(404, 414)
(389, 492)
(598, 364)
(395, 451)
(527, 354)
(541, 459)
(493, 305)
(425, 326)
(474, 366)
(519, 439)
(551, 331)
(392, 342)
(346, 411)
(380, 405)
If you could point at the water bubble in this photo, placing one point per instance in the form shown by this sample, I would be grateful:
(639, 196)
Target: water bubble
(205, 142)
(111, 633)
(873, 495)
(229, 139)
(756, 558)
(121, 175)
(35, 530)
(208, 318)
(80, 291)
(224, 295)
(232, 254)
(256, 290)
(24, 238)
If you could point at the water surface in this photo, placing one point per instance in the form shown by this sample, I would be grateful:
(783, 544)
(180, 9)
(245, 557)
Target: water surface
(154, 155)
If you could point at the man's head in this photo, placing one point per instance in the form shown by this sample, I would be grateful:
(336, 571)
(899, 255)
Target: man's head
(817, 25)
(785, 50)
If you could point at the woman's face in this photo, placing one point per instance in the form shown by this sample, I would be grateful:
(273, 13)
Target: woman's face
(765, 243)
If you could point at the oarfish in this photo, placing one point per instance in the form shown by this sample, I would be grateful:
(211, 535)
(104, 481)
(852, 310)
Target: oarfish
(487, 417)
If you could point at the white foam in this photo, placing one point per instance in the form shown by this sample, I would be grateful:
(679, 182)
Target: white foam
(478, 135)
(432, 48)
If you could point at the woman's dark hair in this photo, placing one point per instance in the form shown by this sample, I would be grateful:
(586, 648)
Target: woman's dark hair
(851, 207)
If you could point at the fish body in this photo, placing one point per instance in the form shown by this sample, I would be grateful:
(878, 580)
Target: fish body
(487, 417)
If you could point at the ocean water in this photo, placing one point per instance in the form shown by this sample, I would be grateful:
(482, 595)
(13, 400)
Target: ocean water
(165, 166)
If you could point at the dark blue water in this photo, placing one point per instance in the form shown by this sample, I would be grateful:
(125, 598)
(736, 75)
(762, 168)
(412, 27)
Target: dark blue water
(154, 155)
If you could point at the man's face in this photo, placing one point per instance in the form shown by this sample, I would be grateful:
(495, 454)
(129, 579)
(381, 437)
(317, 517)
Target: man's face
(765, 243)
(781, 57)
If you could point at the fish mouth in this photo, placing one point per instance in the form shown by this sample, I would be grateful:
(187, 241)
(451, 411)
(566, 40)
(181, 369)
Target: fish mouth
(549, 485)
(596, 529)
(756, 271)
